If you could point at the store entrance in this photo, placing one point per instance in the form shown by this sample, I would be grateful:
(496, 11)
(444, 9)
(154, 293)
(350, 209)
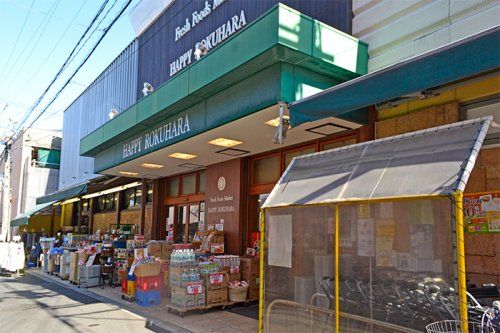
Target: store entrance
(185, 223)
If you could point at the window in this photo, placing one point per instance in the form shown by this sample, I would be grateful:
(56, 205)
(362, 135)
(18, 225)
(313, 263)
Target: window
(338, 144)
(298, 152)
(266, 170)
(133, 197)
(202, 181)
(101, 204)
(188, 184)
(149, 196)
(489, 107)
(173, 187)
(110, 202)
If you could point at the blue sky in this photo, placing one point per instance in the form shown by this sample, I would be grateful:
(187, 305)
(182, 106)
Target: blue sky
(31, 56)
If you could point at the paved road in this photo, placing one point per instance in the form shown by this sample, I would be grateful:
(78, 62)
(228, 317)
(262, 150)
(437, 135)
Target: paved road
(29, 304)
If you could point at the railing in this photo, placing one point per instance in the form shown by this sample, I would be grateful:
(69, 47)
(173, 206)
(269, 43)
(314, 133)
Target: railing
(287, 316)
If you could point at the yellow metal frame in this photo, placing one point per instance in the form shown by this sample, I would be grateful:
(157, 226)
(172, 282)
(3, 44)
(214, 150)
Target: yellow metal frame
(337, 272)
(261, 273)
(459, 231)
(462, 284)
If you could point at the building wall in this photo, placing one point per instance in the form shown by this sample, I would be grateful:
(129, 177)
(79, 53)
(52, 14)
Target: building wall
(158, 48)
(397, 30)
(482, 250)
(115, 88)
(103, 221)
(41, 223)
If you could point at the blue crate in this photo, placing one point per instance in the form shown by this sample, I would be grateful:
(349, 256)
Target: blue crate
(148, 298)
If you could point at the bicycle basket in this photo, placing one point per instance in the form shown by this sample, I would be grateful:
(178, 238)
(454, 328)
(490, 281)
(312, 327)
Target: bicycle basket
(455, 326)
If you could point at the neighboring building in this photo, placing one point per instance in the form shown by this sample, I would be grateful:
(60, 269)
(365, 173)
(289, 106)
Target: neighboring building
(35, 160)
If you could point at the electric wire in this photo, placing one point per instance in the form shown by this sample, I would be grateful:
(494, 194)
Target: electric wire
(63, 67)
(53, 48)
(40, 30)
(83, 62)
(17, 39)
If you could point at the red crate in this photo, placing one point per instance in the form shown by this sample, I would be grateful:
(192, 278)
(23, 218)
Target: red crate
(148, 283)
(124, 286)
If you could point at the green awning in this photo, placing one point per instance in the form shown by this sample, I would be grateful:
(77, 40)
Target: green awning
(465, 58)
(23, 219)
(65, 194)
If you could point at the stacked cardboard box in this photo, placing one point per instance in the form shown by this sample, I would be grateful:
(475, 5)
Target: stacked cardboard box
(216, 287)
(250, 272)
(89, 275)
(64, 268)
(73, 267)
(182, 293)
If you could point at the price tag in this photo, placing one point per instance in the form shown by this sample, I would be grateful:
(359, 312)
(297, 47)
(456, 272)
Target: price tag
(194, 288)
(216, 278)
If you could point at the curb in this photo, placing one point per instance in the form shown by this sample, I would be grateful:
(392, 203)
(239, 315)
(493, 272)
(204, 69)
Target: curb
(152, 323)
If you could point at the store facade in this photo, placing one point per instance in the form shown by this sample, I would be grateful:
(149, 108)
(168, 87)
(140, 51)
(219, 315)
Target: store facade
(205, 135)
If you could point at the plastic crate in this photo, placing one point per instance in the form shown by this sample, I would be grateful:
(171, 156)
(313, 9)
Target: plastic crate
(130, 287)
(148, 283)
(124, 286)
(148, 298)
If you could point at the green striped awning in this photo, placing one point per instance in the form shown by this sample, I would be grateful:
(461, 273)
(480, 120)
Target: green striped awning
(23, 219)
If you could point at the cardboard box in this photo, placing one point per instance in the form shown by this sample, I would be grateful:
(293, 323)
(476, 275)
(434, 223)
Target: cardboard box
(234, 276)
(215, 281)
(253, 292)
(180, 297)
(216, 296)
(250, 270)
(154, 249)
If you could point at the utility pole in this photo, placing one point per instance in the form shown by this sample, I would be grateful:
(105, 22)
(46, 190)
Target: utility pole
(6, 193)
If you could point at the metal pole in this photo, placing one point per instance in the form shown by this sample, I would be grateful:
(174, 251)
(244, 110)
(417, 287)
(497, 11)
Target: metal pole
(337, 272)
(7, 195)
(462, 284)
(261, 273)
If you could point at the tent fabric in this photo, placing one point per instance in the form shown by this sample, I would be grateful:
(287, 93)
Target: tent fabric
(431, 162)
(62, 195)
(23, 219)
(467, 57)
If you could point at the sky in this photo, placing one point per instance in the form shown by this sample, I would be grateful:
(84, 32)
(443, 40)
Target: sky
(36, 37)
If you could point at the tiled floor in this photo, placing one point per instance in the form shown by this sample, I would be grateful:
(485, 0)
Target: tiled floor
(212, 321)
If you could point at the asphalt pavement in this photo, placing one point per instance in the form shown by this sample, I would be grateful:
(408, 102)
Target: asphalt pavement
(29, 304)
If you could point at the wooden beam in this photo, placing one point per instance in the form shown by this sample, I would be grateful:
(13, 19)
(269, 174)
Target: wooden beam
(91, 215)
(144, 191)
(79, 212)
(118, 206)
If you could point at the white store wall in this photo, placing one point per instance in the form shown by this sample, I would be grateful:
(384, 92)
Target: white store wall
(399, 29)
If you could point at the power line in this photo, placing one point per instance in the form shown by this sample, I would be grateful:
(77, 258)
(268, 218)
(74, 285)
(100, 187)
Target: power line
(52, 10)
(84, 61)
(17, 39)
(55, 46)
(38, 101)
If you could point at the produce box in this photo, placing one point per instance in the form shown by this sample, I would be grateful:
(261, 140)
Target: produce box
(149, 269)
(92, 271)
(253, 292)
(250, 270)
(181, 298)
(89, 282)
(215, 281)
(216, 296)
(154, 249)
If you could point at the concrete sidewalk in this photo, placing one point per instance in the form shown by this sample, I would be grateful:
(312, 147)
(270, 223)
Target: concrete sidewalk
(158, 318)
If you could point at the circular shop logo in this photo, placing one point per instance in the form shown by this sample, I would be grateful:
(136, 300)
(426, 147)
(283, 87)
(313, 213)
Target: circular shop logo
(221, 183)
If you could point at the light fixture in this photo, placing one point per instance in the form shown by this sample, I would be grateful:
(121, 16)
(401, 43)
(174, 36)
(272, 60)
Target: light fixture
(151, 166)
(223, 142)
(182, 156)
(276, 121)
(148, 89)
(233, 152)
(128, 173)
(200, 50)
(70, 201)
(113, 113)
(111, 190)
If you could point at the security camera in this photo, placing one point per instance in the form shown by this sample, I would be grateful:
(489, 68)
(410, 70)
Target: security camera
(148, 89)
(200, 50)
(113, 113)
(283, 127)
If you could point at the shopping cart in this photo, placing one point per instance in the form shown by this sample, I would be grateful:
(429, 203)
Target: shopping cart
(455, 326)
